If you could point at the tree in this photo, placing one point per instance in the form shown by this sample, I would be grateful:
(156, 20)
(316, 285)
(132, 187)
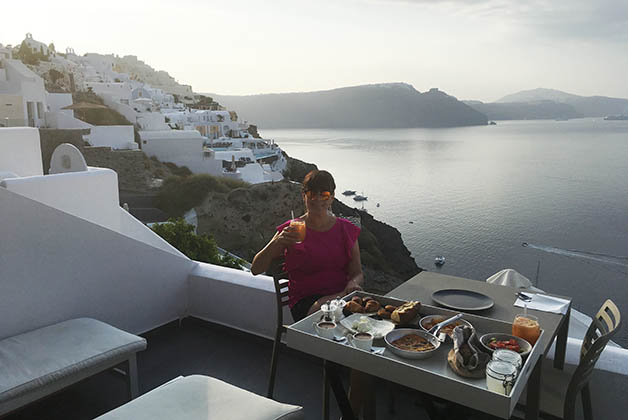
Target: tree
(51, 48)
(202, 248)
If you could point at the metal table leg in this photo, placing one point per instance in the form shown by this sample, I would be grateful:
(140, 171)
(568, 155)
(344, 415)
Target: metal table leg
(561, 342)
(325, 392)
(533, 399)
(332, 371)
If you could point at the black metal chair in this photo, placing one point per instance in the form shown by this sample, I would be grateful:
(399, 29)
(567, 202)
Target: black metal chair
(559, 389)
(280, 279)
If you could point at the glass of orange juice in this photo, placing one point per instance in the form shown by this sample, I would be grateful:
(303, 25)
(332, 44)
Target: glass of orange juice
(298, 225)
(527, 327)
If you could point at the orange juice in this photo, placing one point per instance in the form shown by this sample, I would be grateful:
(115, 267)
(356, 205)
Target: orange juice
(298, 226)
(526, 327)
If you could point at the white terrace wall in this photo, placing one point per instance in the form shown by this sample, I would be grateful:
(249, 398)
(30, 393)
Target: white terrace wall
(234, 298)
(114, 136)
(91, 195)
(56, 266)
(20, 151)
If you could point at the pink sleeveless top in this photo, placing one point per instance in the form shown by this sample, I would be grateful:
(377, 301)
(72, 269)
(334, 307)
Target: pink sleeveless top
(318, 265)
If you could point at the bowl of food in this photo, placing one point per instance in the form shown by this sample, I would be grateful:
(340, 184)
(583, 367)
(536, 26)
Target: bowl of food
(494, 341)
(411, 343)
(429, 321)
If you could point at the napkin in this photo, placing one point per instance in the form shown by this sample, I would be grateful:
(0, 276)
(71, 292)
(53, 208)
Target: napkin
(467, 349)
(544, 303)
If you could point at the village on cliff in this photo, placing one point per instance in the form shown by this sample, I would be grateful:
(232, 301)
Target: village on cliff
(38, 88)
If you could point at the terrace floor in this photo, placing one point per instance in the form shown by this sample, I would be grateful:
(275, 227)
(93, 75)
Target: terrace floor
(200, 347)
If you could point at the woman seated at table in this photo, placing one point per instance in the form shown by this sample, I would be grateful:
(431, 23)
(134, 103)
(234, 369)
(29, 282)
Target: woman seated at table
(327, 263)
(324, 266)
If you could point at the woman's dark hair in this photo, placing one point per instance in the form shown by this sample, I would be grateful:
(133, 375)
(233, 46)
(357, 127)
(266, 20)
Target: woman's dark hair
(318, 181)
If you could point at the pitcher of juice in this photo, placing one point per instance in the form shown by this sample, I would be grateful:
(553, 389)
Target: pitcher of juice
(298, 225)
(527, 327)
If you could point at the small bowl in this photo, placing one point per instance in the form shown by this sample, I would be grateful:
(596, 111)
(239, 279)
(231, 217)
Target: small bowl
(427, 318)
(402, 332)
(523, 344)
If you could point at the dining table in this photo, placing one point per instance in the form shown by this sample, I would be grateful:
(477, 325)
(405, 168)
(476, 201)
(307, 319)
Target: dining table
(433, 376)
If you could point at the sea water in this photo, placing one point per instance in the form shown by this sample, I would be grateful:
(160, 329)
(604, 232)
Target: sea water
(475, 194)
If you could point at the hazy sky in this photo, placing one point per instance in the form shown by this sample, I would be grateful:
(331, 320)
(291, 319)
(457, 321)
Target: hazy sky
(472, 49)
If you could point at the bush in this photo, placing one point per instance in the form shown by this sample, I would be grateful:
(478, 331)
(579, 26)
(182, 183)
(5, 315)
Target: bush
(197, 247)
(179, 194)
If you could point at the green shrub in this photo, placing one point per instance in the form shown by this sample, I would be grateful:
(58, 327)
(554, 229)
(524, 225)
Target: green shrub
(197, 247)
(179, 194)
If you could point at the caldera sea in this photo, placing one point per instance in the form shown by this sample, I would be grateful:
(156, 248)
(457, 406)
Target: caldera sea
(475, 194)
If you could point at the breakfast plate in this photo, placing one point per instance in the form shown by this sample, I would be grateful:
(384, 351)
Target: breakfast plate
(358, 322)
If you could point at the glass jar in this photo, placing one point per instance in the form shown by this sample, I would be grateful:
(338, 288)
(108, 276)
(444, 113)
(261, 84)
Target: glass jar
(500, 376)
(508, 356)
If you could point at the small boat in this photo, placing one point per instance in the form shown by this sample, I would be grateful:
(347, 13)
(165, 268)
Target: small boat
(349, 192)
(440, 260)
(360, 198)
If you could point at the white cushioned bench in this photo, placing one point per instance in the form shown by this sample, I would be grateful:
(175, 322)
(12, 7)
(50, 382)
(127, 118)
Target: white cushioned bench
(40, 362)
(200, 397)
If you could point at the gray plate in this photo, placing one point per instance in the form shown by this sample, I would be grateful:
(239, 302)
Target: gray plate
(462, 300)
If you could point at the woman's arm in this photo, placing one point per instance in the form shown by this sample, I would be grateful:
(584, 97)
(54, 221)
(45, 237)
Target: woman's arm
(273, 249)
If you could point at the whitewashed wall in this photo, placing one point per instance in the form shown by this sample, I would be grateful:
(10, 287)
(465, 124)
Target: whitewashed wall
(182, 147)
(114, 136)
(57, 266)
(91, 195)
(20, 151)
(234, 298)
(61, 120)
(56, 101)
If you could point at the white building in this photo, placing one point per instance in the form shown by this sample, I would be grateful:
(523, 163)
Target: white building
(5, 52)
(36, 46)
(23, 97)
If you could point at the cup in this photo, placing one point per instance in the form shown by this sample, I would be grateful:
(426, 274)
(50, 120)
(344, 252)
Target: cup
(526, 326)
(326, 329)
(298, 226)
(362, 340)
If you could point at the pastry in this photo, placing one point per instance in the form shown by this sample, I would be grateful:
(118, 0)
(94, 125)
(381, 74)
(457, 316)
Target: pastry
(354, 307)
(366, 299)
(406, 312)
(383, 313)
(372, 306)
(357, 299)
(390, 308)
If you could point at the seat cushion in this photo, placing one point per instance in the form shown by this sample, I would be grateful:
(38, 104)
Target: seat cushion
(200, 397)
(37, 361)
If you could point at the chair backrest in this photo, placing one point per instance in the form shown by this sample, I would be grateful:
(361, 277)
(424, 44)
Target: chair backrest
(603, 327)
(280, 279)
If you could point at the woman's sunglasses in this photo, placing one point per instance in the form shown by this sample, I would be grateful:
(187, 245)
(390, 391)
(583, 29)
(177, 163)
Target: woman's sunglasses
(323, 195)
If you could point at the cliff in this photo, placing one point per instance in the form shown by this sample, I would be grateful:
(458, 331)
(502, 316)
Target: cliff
(389, 105)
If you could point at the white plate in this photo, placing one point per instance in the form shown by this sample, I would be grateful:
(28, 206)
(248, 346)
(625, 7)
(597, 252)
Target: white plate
(378, 328)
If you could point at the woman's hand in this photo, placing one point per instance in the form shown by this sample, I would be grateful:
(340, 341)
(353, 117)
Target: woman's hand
(286, 238)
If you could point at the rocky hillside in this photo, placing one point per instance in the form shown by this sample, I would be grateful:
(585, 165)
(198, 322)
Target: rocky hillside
(244, 219)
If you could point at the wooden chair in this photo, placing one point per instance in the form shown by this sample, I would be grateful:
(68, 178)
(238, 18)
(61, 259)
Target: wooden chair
(559, 390)
(280, 279)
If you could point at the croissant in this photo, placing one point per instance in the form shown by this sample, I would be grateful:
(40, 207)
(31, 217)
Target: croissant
(372, 306)
(354, 307)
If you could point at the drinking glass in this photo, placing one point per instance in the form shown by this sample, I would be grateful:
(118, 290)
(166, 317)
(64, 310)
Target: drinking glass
(298, 225)
(527, 327)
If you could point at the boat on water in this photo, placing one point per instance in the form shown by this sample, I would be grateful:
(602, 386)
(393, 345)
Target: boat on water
(439, 260)
(349, 192)
(360, 197)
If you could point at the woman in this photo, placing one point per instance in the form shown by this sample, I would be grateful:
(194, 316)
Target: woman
(327, 263)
